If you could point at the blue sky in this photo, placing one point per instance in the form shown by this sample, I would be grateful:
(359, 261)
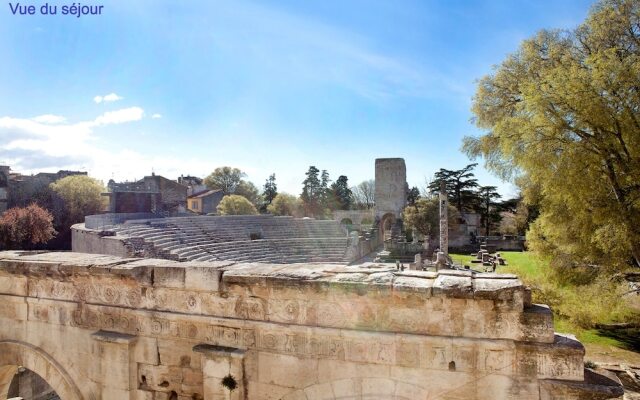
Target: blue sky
(182, 87)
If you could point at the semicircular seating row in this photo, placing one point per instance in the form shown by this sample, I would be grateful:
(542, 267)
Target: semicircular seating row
(261, 238)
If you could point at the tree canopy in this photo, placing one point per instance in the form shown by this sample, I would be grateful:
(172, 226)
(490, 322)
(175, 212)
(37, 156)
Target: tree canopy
(230, 181)
(341, 195)
(82, 196)
(461, 185)
(284, 204)
(270, 190)
(24, 227)
(562, 118)
(225, 178)
(234, 204)
(312, 192)
(424, 216)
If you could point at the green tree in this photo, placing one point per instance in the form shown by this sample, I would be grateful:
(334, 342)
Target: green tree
(341, 195)
(82, 196)
(312, 193)
(24, 227)
(225, 178)
(249, 191)
(562, 118)
(285, 204)
(234, 204)
(270, 190)
(325, 192)
(413, 195)
(488, 208)
(424, 216)
(461, 185)
(230, 181)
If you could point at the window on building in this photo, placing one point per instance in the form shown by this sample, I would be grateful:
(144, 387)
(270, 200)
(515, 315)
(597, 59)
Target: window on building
(194, 205)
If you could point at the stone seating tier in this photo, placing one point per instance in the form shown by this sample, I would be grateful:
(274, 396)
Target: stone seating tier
(239, 238)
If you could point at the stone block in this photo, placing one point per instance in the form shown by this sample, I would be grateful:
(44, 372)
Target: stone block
(13, 284)
(146, 351)
(202, 278)
(299, 372)
(169, 276)
(320, 391)
(382, 388)
(453, 286)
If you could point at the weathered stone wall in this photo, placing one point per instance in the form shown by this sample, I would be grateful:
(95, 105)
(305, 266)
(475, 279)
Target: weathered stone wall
(90, 241)
(391, 186)
(100, 327)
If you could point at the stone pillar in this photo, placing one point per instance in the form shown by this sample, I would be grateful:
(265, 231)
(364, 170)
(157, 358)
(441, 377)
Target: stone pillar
(444, 220)
(115, 365)
(222, 372)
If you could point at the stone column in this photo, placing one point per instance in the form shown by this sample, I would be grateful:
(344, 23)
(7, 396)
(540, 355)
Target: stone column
(222, 372)
(115, 365)
(444, 220)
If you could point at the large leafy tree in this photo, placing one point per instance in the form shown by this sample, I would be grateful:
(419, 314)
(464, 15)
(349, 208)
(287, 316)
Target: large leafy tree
(230, 181)
(82, 196)
(562, 117)
(460, 184)
(424, 216)
(225, 178)
(284, 204)
(234, 204)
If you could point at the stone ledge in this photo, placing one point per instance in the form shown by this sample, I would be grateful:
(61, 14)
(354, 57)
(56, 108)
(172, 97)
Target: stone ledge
(215, 276)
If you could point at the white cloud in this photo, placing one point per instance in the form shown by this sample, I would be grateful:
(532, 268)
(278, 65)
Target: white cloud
(33, 145)
(119, 116)
(49, 119)
(107, 98)
(156, 116)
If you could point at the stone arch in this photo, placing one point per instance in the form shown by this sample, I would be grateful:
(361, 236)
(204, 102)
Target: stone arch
(360, 388)
(14, 354)
(386, 222)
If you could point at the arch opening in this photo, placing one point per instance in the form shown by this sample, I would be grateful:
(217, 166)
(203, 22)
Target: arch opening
(386, 223)
(26, 384)
(33, 368)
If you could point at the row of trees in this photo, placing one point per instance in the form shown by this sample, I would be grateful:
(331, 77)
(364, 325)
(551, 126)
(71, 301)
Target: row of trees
(465, 195)
(320, 196)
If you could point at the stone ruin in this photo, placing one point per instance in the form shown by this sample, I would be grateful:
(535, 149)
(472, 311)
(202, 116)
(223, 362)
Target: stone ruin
(488, 260)
(250, 238)
(104, 327)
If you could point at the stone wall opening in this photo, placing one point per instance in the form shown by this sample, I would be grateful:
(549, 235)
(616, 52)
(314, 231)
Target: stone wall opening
(29, 385)
(28, 372)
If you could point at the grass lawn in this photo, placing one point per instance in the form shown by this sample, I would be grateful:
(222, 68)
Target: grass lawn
(601, 346)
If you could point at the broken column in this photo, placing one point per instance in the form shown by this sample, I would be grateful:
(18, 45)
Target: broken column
(444, 223)
(442, 257)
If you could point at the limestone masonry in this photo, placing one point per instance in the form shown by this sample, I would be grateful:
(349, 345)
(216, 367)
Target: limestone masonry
(104, 327)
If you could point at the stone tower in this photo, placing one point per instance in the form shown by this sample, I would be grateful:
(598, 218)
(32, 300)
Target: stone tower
(391, 187)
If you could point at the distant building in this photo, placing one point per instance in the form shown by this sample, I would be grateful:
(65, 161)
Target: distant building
(18, 190)
(205, 202)
(193, 184)
(4, 187)
(152, 194)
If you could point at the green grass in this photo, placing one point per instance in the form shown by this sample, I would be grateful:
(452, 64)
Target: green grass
(577, 308)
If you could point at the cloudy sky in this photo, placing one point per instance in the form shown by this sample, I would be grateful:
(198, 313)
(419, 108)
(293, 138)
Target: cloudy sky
(182, 87)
